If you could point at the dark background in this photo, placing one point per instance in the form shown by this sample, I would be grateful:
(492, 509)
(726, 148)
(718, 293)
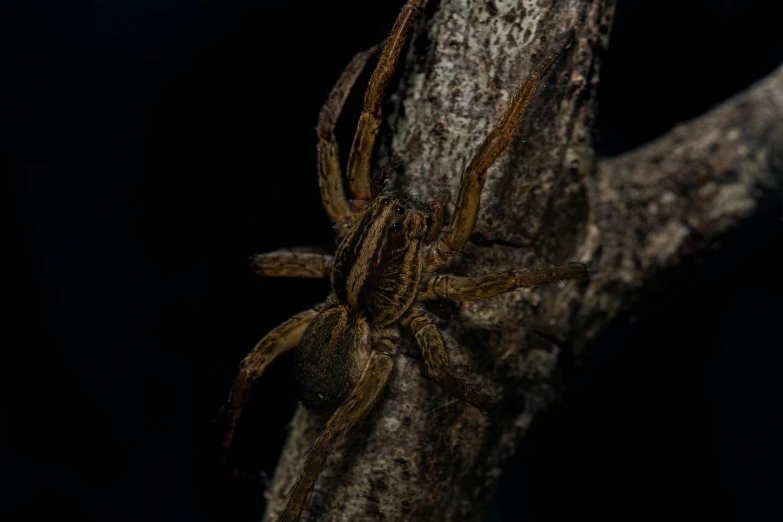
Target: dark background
(151, 146)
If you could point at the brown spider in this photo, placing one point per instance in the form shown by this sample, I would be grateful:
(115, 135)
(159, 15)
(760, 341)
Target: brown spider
(390, 246)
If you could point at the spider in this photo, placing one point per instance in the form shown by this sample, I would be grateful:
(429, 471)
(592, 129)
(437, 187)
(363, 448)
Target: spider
(386, 266)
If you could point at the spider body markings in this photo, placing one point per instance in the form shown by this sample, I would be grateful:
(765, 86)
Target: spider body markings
(385, 268)
(375, 278)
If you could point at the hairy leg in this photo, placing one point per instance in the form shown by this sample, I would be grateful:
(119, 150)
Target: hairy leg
(348, 414)
(370, 120)
(288, 263)
(436, 358)
(275, 343)
(464, 218)
(481, 287)
(330, 175)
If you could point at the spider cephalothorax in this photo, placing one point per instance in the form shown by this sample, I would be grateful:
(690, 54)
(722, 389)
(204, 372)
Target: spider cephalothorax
(385, 268)
(378, 265)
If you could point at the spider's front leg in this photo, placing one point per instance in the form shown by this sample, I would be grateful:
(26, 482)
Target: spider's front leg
(436, 358)
(360, 158)
(330, 175)
(464, 218)
(354, 408)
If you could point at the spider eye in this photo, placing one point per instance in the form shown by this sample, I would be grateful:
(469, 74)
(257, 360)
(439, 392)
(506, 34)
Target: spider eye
(398, 209)
(395, 228)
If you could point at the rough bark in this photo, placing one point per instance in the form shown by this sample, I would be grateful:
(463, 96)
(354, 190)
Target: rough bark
(422, 455)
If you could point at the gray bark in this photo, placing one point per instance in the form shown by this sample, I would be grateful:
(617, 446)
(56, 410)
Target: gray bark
(422, 455)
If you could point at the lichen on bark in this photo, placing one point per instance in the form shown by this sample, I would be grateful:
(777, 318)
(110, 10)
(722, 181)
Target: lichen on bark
(421, 455)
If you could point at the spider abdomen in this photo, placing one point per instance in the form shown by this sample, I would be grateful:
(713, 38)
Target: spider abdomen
(331, 356)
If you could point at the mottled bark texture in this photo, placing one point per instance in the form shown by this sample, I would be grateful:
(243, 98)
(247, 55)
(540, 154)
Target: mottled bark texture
(421, 455)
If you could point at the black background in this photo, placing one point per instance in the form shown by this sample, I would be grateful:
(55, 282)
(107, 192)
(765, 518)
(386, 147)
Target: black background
(151, 146)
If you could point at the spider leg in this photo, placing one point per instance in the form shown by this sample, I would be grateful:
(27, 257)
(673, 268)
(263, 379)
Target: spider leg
(370, 120)
(346, 416)
(287, 263)
(481, 287)
(436, 358)
(275, 343)
(330, 175)
(464, 218)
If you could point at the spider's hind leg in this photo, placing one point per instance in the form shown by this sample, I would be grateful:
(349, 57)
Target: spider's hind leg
(436, 358)
(274, 344)
(354, 408)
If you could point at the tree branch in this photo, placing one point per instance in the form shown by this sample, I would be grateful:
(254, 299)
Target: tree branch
(422, 455)
(675, 198)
